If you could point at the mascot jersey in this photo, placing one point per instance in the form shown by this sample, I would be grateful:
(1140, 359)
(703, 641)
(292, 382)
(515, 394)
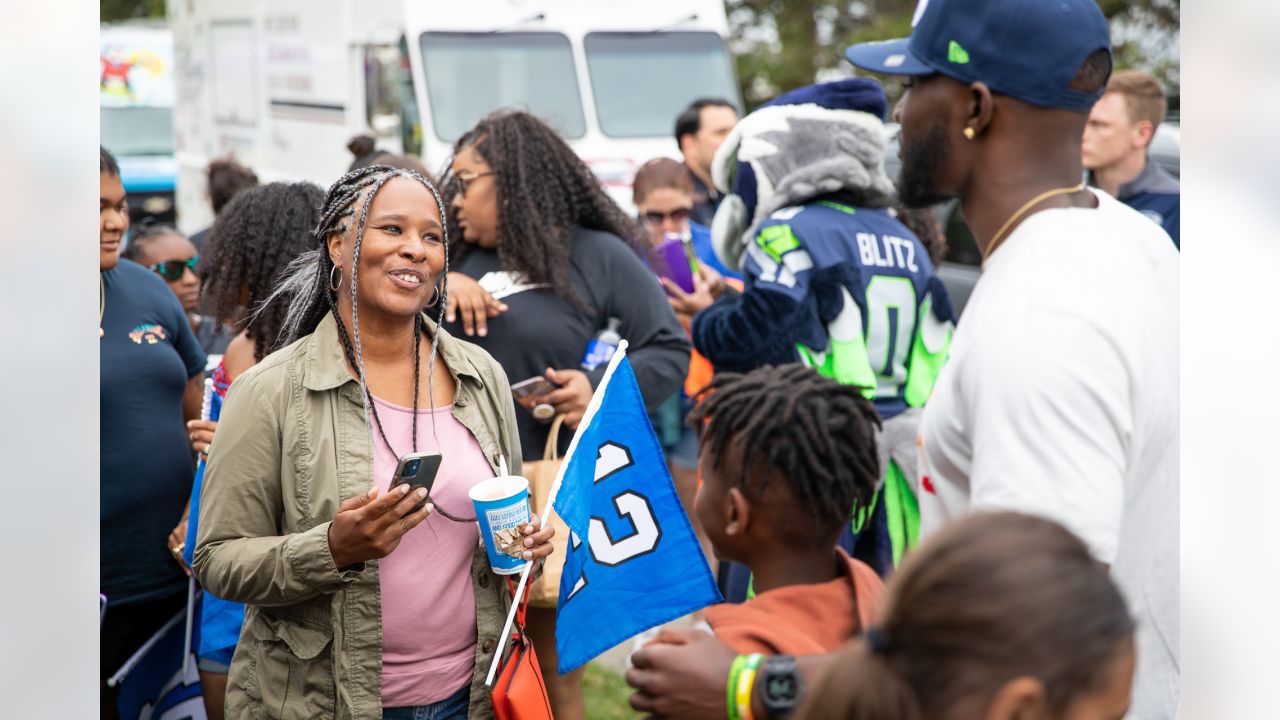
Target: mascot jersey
(848, 291)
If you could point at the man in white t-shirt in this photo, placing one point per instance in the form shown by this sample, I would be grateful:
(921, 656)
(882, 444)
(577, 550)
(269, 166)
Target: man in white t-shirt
(1061, 395)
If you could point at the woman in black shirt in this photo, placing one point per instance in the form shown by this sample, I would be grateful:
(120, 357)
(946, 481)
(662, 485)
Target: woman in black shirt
(546, 258)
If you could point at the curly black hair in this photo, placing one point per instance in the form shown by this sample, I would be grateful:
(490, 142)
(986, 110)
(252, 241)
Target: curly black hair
(814, 433)
(545, 192)
(143, 234)
(251, 243)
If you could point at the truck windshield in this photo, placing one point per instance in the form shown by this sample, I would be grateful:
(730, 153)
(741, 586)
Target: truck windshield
(137, 130)
(469, 75)
(642, 81)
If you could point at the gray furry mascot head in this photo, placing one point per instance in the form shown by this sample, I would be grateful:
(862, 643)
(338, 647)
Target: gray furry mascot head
(813, 141)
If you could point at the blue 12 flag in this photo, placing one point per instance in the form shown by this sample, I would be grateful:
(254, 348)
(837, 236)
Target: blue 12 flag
(633, 561)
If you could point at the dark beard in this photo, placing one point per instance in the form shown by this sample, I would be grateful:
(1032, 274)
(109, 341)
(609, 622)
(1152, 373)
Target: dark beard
(921, 161)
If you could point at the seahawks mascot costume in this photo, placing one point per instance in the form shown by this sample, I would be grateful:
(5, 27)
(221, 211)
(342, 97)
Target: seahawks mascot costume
(833, 280)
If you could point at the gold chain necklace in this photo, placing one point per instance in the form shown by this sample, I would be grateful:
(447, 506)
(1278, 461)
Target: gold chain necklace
(102, 305)
(1000, 234)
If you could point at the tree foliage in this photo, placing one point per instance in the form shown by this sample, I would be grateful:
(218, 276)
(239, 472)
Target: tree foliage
(114, 10)
(783, 44)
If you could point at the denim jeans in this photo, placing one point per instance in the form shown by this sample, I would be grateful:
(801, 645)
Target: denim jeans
(453, 707)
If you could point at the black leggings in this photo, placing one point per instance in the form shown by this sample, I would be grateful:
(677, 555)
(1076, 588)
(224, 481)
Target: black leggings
(125, 629)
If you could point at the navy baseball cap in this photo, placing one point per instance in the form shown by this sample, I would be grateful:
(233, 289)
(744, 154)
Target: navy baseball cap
(1026, 49)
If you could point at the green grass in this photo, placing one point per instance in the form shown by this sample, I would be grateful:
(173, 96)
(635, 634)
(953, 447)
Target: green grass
(606, 695)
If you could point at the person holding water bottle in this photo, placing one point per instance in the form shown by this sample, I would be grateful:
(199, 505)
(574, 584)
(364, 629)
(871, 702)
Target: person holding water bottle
(544, 260)
(330, 452)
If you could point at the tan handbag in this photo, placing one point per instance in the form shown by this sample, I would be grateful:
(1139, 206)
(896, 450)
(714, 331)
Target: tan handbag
(545, 591)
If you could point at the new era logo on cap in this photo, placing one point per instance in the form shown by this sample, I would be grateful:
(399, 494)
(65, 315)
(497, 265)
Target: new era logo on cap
(1026, 49)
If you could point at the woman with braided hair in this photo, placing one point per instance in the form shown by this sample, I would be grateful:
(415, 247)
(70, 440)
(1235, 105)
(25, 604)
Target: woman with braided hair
(545, 260)
(350, 610)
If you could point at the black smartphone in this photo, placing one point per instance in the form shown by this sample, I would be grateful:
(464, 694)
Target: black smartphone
(417, 470)
(532, 387)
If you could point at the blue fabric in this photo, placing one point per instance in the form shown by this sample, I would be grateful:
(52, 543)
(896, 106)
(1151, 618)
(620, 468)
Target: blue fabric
(453, 707)
(156, 687)
(220, 620)
(633, 561)
(863, 94)
(148, 353)
(794, 300)
(220, 623)
(193, 517)
(700, 238)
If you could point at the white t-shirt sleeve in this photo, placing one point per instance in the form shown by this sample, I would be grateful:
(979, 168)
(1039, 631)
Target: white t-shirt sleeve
(1051, 424)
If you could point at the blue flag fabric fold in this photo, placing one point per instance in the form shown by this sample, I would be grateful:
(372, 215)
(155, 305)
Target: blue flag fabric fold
(193, 518)
(633, 561)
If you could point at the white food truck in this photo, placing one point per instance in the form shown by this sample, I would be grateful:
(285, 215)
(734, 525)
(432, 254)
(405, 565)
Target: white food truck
(285, 84)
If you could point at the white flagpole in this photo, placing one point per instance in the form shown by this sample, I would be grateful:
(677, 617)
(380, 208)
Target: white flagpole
(191, 611)
(511, 618)
(206, 409)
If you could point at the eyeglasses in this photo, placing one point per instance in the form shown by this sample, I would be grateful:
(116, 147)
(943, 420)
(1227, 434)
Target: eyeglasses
(465, 181)
(172, 269)
(679, 215)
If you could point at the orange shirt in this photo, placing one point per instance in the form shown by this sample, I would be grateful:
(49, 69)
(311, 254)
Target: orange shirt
(802, 619)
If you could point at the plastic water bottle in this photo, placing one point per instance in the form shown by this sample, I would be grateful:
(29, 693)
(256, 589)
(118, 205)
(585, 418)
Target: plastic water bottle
(602, 346)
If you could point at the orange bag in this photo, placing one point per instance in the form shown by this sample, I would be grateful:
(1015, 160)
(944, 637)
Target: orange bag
(519, 692)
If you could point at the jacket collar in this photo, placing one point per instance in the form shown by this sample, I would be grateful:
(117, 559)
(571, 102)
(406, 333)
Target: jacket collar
(326, 367)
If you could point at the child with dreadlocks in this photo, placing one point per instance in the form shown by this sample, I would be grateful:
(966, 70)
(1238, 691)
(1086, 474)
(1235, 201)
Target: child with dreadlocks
(786, 453)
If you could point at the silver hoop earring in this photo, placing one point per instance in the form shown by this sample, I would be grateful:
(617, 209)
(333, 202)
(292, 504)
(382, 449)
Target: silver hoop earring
(435, 298)
(332, 284)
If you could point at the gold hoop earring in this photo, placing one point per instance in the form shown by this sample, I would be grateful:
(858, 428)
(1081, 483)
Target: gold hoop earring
(970, 133)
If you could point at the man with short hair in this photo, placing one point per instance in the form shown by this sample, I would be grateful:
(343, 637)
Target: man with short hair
(1061, 396)
(699, 131)
(1116, 138)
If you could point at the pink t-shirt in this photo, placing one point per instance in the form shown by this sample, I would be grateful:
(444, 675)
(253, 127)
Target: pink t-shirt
(428, 605)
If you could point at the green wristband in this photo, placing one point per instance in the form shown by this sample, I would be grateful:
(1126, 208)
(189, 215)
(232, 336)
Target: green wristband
(731, 701)
(742, 698)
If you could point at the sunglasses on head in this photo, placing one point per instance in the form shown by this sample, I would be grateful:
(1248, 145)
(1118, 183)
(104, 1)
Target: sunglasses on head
(172, 269)
(678, 215)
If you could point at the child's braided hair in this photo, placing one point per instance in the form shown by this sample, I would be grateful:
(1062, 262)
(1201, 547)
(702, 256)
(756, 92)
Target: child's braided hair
(816, 434)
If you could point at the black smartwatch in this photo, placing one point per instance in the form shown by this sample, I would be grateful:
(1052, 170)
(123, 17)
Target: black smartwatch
(781, 686)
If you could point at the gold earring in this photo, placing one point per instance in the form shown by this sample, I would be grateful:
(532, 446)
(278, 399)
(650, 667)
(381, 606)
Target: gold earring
(969, 133)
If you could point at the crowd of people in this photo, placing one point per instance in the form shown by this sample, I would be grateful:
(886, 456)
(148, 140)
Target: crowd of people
(912, 515)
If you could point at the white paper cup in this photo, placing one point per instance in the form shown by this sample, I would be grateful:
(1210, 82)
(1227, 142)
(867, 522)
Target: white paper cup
(502, 506)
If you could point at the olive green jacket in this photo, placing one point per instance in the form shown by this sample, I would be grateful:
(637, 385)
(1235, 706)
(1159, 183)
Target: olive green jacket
(291, 446)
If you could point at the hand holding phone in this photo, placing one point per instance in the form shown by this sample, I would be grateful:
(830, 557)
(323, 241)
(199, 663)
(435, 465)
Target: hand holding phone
(417, 470)
(527, 393)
